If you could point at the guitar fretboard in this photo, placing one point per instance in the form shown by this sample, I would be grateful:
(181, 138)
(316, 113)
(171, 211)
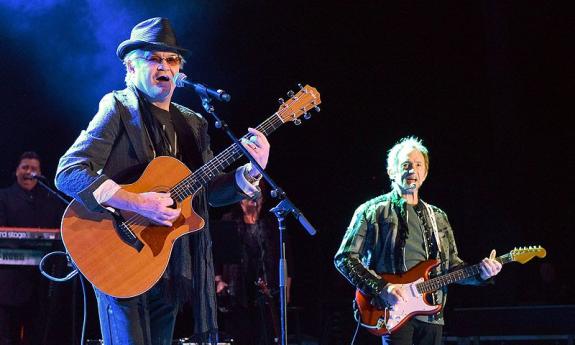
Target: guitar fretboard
(455, 276)
(196, 180)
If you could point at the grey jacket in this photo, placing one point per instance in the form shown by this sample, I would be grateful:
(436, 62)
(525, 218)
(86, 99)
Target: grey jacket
(116, 140)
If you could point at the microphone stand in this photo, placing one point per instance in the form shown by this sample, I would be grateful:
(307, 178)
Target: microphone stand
(281, 210)
(49, 189)
(75, 282)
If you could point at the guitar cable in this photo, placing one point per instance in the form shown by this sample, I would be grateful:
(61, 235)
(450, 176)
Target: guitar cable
(357, 316)
(69, 276)
(356, 331)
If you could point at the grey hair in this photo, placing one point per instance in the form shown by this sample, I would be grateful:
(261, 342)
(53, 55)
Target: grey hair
(140, 53)
(406, 142)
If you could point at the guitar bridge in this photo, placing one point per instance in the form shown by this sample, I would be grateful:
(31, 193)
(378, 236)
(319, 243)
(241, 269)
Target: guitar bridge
(380, 324)
(125, 233)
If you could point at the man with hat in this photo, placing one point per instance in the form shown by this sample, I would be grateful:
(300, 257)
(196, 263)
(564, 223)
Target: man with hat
(131, 127)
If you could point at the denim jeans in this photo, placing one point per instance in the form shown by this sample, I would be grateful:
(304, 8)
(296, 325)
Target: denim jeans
(148, 319)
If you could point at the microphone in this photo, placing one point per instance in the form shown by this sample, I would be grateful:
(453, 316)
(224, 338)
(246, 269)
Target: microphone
(202, 90)
(37, 176)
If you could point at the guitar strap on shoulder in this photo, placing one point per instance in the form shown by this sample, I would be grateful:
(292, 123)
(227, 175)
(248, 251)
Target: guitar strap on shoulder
(433, 225)
(429, 228)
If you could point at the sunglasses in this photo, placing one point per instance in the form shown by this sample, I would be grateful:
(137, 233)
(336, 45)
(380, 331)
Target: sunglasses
(173, 60)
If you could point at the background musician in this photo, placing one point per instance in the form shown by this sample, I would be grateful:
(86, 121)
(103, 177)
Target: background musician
(22, 290)
(246, 255)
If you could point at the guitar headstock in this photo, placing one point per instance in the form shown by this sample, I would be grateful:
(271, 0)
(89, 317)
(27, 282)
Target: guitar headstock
(524, 254)
(299, 104)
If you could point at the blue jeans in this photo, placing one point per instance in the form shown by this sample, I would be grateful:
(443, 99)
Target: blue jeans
(148, 319)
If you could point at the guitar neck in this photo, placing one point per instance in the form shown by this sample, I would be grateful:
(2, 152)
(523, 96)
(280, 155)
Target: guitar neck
(456, 276)
(194, 182)
(297, 105)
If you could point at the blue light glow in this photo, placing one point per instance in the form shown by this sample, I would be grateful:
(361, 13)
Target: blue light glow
(70, 46)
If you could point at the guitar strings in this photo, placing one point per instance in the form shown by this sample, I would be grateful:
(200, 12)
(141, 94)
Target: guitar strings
(185, 184)
(180, 188)
(213, 164)
(438, 282)
(233, 150)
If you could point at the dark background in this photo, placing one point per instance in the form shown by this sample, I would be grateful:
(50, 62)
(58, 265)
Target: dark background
(487, 85)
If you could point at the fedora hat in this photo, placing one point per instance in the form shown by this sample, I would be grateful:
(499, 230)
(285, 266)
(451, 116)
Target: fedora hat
(151, 34)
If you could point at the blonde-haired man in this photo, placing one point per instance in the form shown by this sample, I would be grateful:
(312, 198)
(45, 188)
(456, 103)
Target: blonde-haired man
(394, 232)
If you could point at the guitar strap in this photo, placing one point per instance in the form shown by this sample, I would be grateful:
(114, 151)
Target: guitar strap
(433, 222)
(429, 228)
(427, 219)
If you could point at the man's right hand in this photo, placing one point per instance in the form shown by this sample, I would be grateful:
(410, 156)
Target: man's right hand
(221, 286)
(392, 294)
(154, 206)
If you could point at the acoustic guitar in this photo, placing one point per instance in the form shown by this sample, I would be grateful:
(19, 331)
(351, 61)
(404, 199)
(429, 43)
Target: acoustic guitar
(123, 254)
(417, 285)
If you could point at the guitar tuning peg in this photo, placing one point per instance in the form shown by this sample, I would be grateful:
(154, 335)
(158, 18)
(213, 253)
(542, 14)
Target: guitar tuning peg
(306, 115)
(281, 100)
(290, 93)
(316, 108)
(300, 86)
(297, 122)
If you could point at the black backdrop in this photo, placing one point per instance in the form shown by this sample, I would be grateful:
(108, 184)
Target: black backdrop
(487, 84)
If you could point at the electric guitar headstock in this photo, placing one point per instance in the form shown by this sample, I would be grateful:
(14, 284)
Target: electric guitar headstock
(525, 254)
(299, 104)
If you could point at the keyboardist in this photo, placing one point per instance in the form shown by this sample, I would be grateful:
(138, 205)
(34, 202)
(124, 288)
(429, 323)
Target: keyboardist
(24, 204)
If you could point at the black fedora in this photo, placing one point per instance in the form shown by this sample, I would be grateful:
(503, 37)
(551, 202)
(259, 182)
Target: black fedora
(151, 34)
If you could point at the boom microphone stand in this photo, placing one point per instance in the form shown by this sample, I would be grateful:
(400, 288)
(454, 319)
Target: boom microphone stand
(281, 210)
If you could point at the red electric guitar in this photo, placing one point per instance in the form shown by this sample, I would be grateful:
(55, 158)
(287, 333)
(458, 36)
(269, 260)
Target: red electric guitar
(417, 285)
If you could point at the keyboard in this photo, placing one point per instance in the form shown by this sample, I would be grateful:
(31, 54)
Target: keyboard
(10, 233)
(26, 246)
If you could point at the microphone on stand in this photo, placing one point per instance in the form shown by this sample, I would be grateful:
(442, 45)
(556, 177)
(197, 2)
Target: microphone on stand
(37, 176)
(180, 80)
(43, 181)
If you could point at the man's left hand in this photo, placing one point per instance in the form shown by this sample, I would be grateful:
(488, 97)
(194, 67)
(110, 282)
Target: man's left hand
(489, 266)
(259, 147)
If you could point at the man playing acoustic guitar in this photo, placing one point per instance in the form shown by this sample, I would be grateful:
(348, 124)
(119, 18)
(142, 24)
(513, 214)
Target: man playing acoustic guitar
(395, 232)
(133, 127)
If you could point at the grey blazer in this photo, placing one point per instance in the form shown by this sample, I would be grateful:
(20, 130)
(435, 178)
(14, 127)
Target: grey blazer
(116, 140)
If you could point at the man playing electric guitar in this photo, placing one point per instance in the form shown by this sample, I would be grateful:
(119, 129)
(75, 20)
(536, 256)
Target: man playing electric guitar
(394, 232)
